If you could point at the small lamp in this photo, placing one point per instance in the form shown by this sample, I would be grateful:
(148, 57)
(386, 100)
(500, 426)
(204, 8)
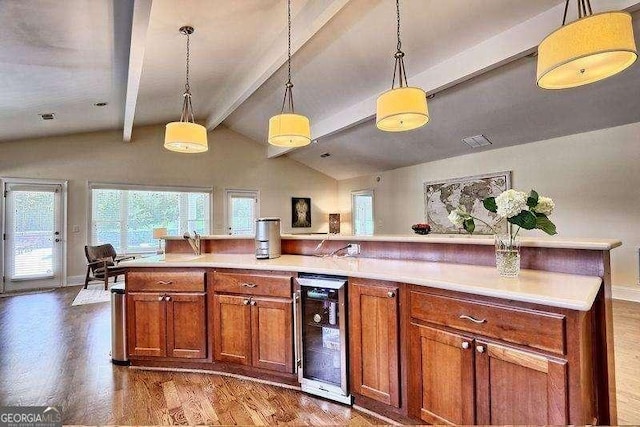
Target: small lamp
(334, 223)
(159, 233)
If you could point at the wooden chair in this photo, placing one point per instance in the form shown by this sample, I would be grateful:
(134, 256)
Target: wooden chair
(102, 263)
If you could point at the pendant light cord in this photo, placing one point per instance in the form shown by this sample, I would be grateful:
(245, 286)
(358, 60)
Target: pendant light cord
(288, 92)
(399, 69)
(187, 107)
(584, 10)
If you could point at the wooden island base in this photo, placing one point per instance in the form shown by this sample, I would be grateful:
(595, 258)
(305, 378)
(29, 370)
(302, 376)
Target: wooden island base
(417, 353)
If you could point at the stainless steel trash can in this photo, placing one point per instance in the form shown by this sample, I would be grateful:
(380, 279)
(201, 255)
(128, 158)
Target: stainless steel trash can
(118, 326)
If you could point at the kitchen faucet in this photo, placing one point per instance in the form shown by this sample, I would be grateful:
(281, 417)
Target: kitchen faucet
(194, 242)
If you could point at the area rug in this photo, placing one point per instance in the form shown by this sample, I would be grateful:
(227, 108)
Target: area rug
(93, 294)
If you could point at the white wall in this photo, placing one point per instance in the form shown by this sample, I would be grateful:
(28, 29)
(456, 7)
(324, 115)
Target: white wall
(593, 177)
(232, 161)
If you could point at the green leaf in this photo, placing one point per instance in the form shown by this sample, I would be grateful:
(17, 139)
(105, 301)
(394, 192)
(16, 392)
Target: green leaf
(525, 219)
(469, 225)
(532, 200)
(543, 223)
(490, 204)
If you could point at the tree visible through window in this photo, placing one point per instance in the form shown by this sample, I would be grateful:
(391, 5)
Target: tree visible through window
(126, 218)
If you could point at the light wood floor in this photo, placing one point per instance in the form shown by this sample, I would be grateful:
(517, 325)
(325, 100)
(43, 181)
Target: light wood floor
(55, 354)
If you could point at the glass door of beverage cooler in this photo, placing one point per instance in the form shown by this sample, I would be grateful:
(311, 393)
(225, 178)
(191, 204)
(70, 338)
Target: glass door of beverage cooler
(322, 325)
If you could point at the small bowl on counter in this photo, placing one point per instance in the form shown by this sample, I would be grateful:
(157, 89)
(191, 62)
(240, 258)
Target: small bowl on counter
(422, 229)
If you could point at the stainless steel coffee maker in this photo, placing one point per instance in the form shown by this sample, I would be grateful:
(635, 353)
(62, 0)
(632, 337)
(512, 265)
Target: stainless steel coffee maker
(267, 238)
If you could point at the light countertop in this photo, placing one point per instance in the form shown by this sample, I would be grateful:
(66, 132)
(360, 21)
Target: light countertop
(539, 287)
(465, 239)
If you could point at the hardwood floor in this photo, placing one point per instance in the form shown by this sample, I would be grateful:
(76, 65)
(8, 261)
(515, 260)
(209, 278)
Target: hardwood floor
(55, 354)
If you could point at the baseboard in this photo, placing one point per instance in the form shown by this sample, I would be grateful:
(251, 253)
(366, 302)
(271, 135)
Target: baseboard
(75, 280)
(626, 293)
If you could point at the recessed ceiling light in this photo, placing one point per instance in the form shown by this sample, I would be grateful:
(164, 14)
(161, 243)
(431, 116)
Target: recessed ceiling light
(101, 104)
(476, 141)
(324, 155)
(47, 116)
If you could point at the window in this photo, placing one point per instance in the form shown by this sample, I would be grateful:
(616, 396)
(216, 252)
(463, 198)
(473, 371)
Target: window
(125, 216)
(362, 212)
(243, 207)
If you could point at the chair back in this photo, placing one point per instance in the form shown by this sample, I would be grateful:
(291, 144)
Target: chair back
(95, 253)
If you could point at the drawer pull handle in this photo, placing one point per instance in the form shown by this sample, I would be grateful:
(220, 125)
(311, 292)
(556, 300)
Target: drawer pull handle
(465, 345)
(249, 285)
(473, 319)
(164, 282)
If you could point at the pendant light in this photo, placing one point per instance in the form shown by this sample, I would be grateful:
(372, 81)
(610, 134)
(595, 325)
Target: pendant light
(402, 108)
(186, 136)
(592, 48)
(289, 129)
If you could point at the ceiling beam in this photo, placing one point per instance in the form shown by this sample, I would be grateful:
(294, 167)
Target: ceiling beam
(139, 27)
(494, 52)
(314, 15)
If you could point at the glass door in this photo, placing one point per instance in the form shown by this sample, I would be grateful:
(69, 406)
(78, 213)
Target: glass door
(33, 248)
(242, 212)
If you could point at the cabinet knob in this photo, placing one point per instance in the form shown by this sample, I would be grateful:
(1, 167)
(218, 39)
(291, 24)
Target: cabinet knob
(391, 294)
(161, 297)
(245, 302)
(167, 298)
(253, 302)
(480, 349)
(465, 344)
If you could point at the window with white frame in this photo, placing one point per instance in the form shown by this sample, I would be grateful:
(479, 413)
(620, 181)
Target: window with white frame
(125, 216)
(243, 208)
(362, 212)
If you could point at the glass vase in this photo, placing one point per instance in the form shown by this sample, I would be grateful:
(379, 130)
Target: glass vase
(507, 255)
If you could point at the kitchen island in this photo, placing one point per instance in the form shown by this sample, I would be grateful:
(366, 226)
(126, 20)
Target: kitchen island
(434, 334)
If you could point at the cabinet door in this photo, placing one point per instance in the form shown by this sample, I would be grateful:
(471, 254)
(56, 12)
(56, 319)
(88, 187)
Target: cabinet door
(271, 329)
(519, 387)
(441, 376)
(146, 320)
(186, 326)
(373, 327)
(232, 329)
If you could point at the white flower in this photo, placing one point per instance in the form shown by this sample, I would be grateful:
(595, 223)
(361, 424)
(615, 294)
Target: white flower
(510, 203)
(458, 215)
(545, 205)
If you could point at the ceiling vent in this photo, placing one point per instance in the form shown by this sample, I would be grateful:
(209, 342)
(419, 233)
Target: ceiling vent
(47, 116)
(324, 155)
(476, 141)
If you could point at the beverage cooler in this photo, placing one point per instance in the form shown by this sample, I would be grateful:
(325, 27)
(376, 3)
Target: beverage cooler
(321, 336)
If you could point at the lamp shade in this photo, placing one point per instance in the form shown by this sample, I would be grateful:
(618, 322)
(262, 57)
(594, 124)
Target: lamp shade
(402, 109)
(587, 50)
(185, 137)
(159, 233)
(289, 130)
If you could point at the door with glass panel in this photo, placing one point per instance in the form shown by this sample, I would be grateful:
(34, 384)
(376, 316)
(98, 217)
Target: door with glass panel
(242, 211)
(33, 240)
(362, 212)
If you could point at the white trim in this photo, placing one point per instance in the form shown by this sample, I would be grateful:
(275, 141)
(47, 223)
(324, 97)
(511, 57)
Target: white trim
(625, 293)
(75, 280)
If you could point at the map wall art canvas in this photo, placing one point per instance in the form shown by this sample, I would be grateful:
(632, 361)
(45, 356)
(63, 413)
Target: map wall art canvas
(441, 197)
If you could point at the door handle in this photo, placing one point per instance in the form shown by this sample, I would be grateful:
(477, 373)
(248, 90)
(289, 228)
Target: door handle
(57, 233)
(57, 240)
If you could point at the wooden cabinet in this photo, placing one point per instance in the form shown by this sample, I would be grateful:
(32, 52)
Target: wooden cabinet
(162, 324)
(253, 319)
(519, 387)
(512, 386)
(374, 351)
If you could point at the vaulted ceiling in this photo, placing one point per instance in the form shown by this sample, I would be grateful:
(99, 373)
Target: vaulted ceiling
(64, 57)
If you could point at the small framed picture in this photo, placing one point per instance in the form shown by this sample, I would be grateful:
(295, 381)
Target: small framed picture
(300, 212)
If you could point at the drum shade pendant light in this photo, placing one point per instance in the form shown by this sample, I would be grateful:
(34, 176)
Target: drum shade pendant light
(186, 136)
(592, 48)
(289, 129)
(402, 108)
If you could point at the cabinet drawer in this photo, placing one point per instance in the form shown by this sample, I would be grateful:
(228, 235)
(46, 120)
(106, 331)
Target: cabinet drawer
(253, 284)
(545, 331)
(169, 281)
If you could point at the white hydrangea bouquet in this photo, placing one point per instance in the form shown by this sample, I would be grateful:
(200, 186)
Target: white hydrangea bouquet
(524, 211)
